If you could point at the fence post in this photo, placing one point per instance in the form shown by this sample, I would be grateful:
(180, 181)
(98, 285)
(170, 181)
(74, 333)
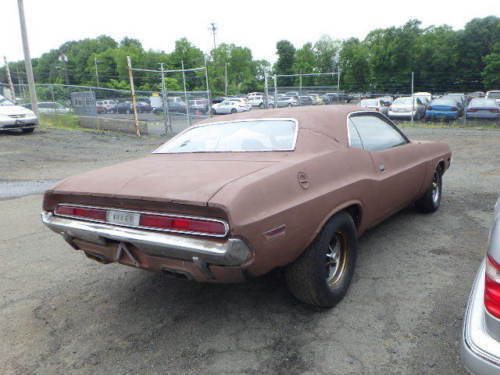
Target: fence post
(209, 97)
(132, 91)
(300, 87)
(266, 91)
(52, 94)
(412, 99)
(164, 102)
(185, 94)
(275, 91)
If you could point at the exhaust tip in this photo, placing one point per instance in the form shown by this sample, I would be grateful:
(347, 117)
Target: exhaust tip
(97, 257)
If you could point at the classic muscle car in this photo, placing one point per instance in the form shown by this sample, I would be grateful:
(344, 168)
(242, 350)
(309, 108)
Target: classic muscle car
(226, 201)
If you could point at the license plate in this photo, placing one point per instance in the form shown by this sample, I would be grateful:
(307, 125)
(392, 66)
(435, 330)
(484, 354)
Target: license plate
(123, 218)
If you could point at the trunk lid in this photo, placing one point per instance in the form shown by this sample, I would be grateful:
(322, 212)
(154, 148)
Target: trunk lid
(182, 180)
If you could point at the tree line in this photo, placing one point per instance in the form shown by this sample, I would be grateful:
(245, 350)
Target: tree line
(441, 58)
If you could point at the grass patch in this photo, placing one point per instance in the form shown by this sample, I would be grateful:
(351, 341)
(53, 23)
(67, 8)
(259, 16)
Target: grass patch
(66, 121)
(458, 124)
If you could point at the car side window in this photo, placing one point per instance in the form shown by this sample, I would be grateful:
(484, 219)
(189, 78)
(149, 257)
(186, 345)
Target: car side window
(354, 139)
(376, 134)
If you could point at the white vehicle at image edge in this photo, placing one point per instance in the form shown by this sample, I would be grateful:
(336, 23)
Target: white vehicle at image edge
(480, 346)
(231, 106)
(16, 117)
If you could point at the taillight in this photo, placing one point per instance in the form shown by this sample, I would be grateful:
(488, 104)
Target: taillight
(472, 110)
(454, 109)
(83, 212)
(152, 221)
(183, 224)
(494, 110)
(429, 108)
(492, 287)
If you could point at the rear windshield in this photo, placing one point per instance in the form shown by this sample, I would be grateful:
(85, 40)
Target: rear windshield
(367, 103)
(235, 136)
(494, 94)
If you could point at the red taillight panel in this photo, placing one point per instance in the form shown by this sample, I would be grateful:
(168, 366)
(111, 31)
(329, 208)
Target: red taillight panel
(183, 224)
(83, 212)
(454, 108)
(494, 110)
(472, 110)
(150, 221)
(429, 108)
(492, 287)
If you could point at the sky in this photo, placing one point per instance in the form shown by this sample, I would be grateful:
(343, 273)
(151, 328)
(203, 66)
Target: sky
(254, 23)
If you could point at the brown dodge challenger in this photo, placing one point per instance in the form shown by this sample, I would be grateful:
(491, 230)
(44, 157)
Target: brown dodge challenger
(228, 200)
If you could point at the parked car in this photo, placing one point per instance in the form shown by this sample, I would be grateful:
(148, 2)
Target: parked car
(480, 344)
(336, 97)
(425, 97)
(198, 105)
(225, 201)
(442, 109)
(316, 98)
(14, 116)
(256, 101)
(284, 101)
(143, 106)
(100, 108)
(231, 106)
(306, 100)
(482, 108)
(108, 105)
(493, 94)
(377, 104)
(124, 107)
(461, 99)
(50, 107)
(405, 106)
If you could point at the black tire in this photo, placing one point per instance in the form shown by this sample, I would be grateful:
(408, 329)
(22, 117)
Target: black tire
(314, 278)
(431, 200)
(261, 105)
(233, 110)
(289, 105)
(28, 130)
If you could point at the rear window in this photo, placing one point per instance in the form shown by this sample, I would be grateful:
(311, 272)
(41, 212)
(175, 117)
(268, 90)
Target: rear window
(494, 95)
(235, 136)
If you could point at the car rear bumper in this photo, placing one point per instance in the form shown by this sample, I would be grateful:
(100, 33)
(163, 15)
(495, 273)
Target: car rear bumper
(480, 351)
(200, 258)
(441, 114)
(482, 115)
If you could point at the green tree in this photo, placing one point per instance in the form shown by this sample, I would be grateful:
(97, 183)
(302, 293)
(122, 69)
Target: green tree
(305, 62)
(491, 72)
(286, 57)
(355, 66)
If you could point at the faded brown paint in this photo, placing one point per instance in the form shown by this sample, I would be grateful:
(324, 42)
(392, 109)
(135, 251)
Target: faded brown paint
(258, 191)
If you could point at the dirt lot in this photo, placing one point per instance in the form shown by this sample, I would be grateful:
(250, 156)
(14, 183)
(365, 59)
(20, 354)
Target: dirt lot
(61, 313)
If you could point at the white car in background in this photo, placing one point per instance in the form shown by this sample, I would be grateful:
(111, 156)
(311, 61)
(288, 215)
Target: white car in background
(16, 117)
(256, 101)
(493, 94)
(377, 104)
(403, 108)
(232, 105)
(425, 97)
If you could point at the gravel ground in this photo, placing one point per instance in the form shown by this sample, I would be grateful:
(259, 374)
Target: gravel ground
(63, 314)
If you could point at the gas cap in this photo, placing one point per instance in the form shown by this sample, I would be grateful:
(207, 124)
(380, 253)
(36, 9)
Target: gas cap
(303, 180)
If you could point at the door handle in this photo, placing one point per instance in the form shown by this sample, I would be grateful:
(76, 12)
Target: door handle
(381, 167)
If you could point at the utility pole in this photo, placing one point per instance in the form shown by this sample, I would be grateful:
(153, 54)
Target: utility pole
(9, 80)
(275, 78)
(27, 58)
(213, 28)
(209, 97)
(338, 79)
(96, 71)
(185, 93)
(64, 59)
(266, 91)
(412, 99)
(166, 113)
(132, 91)
(225, 79)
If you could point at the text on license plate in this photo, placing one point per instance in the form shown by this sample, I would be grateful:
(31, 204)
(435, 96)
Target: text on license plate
(123, 218)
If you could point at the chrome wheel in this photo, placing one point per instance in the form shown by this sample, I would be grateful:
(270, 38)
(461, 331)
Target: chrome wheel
(436, 187)
(336, 259)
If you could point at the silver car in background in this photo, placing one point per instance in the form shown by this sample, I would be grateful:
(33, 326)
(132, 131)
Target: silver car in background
(480, 347)
(480, 108)
(403, 108)
(376, 104)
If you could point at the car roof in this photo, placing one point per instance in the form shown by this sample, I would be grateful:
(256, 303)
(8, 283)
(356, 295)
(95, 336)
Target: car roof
(327, 120)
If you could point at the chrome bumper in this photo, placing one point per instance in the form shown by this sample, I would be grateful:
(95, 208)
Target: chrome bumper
(479, 350)
(231, 252)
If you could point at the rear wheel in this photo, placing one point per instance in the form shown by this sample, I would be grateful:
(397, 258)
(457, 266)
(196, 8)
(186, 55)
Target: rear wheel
(28, 130)
(431, 200)
(233, 110)
(322, 274)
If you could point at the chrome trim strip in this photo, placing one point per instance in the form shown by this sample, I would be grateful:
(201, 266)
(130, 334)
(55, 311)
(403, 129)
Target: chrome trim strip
(226, 225)
(229, 122)
(230, 252)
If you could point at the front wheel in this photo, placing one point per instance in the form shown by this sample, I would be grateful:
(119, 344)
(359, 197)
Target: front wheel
(28, 130)
(322, 274)
(431, 200)
(233, 110)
